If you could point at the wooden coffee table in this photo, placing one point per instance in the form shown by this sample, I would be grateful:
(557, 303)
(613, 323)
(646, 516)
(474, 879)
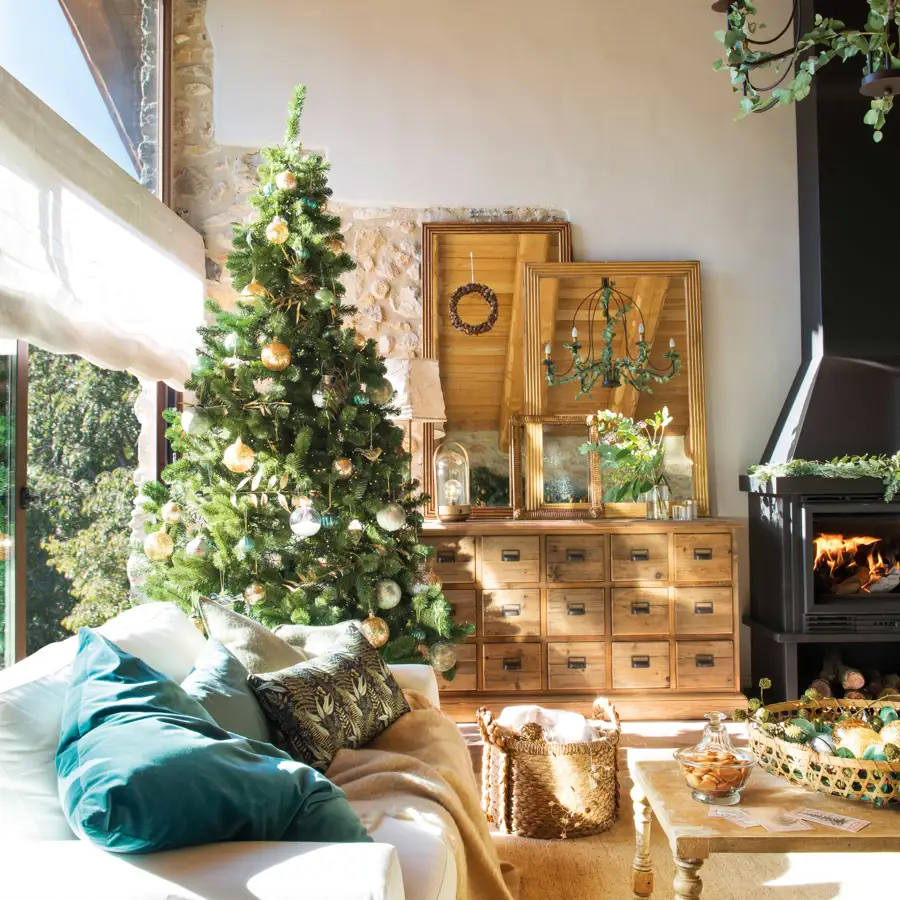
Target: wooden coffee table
(694, 835)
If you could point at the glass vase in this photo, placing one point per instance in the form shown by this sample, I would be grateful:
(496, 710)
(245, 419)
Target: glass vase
(657, 499)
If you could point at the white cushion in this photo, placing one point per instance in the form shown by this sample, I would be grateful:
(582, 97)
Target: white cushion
(76, 870)
(314, 640)
(418, 678)
(31, 704)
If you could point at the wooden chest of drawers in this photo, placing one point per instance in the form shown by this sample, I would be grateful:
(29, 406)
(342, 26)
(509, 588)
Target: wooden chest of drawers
(645, 612)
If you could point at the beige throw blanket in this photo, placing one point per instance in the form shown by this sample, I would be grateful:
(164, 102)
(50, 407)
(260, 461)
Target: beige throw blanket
(421, 763)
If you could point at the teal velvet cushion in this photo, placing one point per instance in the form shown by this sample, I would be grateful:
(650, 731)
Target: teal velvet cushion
(142, 767)
(219, 684)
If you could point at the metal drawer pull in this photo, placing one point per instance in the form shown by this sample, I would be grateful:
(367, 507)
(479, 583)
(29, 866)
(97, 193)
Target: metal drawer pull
(705, 661)
(446, 556)
(703, 608)
(640, 556)
(640, 662)
(574, 555)
(509, 555)
(640, 608)
(703, 553)
(575, 609)
(452, 607)
(512, 609)
(578, 662)
(512, 664)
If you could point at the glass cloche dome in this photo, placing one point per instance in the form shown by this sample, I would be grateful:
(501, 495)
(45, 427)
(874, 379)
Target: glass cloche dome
(451, 479)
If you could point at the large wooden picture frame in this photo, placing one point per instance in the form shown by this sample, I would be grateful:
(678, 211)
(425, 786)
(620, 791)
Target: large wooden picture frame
(433, 299)
(544, 279)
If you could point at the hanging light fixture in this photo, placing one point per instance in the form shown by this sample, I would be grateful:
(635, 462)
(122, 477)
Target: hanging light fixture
(878, 42)
(608, 309)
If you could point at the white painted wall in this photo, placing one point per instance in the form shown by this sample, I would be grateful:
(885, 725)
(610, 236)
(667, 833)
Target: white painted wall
(608, 109)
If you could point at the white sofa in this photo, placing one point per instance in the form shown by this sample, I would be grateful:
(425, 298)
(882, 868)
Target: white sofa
(41, 859)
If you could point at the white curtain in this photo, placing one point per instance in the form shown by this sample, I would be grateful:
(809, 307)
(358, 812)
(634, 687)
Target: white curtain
(90, 262)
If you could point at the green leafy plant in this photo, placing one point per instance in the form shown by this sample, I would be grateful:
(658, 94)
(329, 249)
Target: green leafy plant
(829, 39)
(885, 468)
(631, 452)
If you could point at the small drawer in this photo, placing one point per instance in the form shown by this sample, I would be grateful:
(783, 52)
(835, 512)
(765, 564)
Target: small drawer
(640, 611)
(642, 664)
(572, 666)
(462, 608)
(576, 558)
(454, 559)
(512, 667)
(576, 611)
(509, 560)
(704, 610)
(705, 664)
(466, 677)
(640, 557)
(511, 613)
(702, 558)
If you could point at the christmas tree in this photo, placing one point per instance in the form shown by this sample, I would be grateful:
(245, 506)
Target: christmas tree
(291, 496)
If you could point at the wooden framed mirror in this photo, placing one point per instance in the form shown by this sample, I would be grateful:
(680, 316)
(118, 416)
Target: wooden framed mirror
(665, 303)
(482, 375)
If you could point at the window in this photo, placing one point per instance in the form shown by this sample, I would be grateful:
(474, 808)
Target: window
(96, 63)
(7, 499)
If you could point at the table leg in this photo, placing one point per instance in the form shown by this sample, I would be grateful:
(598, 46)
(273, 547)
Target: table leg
(688, 885)
(642, 868)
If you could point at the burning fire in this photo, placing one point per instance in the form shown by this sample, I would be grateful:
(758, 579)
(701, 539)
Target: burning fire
(836, 551)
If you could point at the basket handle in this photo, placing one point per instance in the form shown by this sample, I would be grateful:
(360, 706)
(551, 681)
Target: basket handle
(603, 709)
(490, 730)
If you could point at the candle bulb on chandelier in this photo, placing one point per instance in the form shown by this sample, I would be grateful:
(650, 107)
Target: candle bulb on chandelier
(671, 343)
(574, 334)
(547, 351)
(641, 330)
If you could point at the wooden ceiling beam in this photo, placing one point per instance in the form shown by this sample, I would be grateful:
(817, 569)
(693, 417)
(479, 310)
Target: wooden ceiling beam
(649, 297)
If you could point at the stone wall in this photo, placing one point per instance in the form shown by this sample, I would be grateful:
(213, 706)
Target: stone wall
(212, 183)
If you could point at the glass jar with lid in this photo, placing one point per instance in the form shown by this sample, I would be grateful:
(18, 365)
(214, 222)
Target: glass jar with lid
(451, 481)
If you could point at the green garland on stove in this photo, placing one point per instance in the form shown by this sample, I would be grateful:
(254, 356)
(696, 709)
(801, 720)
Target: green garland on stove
(885, 468)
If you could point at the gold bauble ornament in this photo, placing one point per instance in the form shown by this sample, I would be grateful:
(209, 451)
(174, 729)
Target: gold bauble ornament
(254, 289)
(375, 630)
(275, 356)
(5, 547)
(343, 467)
(857, 739)
(890, 734)
(254, 593)
(359, 341)
(843, 728)
(285, 181)
(335, 246)
(158, 546)
(238, 457)
(171, 513)
(277, 231)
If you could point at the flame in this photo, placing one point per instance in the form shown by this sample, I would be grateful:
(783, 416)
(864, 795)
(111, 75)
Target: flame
(835, 549)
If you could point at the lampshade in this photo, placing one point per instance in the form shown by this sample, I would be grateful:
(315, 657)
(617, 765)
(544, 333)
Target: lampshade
(418, 389)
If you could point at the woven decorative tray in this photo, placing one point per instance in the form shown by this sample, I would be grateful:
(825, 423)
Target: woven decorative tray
(855, 779)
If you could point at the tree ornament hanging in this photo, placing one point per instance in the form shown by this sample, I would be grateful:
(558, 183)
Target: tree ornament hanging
(329, 520)
(322, 392)
(361, 397)
(342, 467)
(442, 656)
(305, 521)
(244, 546)
(277, 231)
(336, 246)
(195, 421)
(325, 297)
(375, 630)
(272, 559)
(355, 529)
(391, 517)
(254, 289)
(238, 457)
(171, 513)
(254, 593)
(198, 547)
(276, 357)
(380, 391)
(285, 181)
(388, 593)
(229, 342)
(158, 546)
(360, 341)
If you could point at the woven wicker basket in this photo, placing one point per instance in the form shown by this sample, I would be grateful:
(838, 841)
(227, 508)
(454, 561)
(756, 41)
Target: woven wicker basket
(542, 790)
(855, 779)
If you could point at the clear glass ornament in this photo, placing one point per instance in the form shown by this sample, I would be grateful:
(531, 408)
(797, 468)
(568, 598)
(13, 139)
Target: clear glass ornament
(323, 389)
(305, 521)
(442, 656)
(387, 593)
(391, 517)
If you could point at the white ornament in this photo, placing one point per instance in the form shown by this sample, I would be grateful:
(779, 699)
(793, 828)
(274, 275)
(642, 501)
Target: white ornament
(198, 547)
(388, 593)
(391, 517)
(277, 231)
(229, 342)
(285, 181)
(171, 513)
(263, 385)
(305, 521)
(195, 422)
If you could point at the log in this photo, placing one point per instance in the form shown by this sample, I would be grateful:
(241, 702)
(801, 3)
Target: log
(822, 687)
(854, 584)
(835, 671)
(855, 695)
(851, 679)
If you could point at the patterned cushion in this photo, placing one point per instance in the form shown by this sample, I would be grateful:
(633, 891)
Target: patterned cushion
(341, 699)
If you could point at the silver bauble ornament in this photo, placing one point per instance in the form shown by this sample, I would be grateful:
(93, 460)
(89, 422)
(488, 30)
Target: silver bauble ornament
(171, 513)
(195, 421)
(391, 517)
(442, 656)
(158, 546)
(380, 391)
(305, 521)
(387, 593)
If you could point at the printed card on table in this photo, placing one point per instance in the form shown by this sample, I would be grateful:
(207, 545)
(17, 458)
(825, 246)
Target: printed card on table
(832, 820)
(738, 816)
(777, 820)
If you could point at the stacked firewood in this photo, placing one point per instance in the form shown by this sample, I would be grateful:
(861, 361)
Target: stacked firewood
(842, 681)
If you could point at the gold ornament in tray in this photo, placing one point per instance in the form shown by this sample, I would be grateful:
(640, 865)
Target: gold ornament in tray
(870, 780)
